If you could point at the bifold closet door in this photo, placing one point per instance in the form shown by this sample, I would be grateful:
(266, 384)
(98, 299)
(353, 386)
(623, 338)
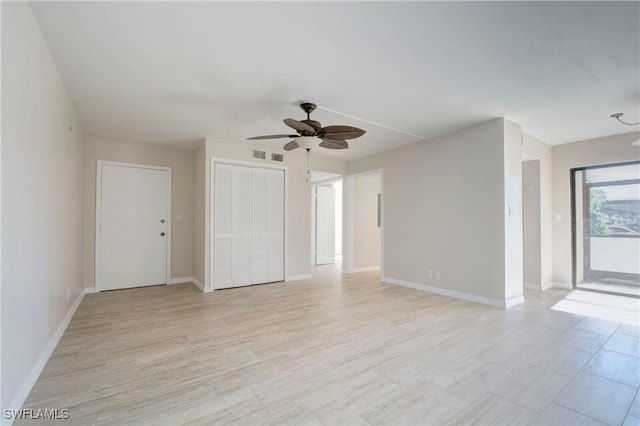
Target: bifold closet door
(223, 225)
(242, 226)
(248, 225)
(260, 249)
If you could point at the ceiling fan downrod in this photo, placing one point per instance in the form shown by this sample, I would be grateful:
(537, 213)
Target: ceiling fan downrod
(618, 116)
(308, 107)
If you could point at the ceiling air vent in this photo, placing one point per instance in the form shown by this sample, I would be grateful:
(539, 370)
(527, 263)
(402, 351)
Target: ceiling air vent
(260, 154)
(277, 157)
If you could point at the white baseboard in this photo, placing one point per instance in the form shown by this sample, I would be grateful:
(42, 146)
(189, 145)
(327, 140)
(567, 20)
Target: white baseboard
(538, 287)
(179, 280)
(90, 290)
(197, 283)
(564, 286)
(298, 277)
(456, 294)
(514, 302)
(20, 398)
(184, 280)
(530, 286)
(367, 268)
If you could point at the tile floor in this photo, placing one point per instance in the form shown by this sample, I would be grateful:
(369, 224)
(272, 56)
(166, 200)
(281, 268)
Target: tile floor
(337, 350)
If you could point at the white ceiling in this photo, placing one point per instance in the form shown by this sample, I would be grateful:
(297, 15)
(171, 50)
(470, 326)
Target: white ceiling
(177, 71)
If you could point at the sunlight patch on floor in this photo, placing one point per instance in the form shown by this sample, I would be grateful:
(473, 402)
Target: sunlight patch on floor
(604, 306)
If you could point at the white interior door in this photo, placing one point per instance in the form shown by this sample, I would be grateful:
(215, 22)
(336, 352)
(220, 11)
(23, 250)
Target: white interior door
(242, 227)
(260, 247)
(248, 225)
(132, 227)
(325, 225)
(223, 225)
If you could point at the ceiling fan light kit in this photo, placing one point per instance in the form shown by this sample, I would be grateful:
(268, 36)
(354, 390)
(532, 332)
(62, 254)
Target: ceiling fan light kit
(307, 142)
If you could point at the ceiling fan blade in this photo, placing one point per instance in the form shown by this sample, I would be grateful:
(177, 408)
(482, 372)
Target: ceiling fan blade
(299, 126)
(342, 132)
(272, 137)
(291, 145)
(334, 144)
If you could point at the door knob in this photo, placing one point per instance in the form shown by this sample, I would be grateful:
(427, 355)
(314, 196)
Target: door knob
(161, 220)
(162, 234)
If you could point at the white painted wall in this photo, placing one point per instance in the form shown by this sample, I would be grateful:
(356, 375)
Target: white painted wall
(198, 214)
(531, 223)
(444, 210)
(1, 400)
(366, 245)
(299, 196)
(182, 197)
(536, 149)
(42, 208)
(608, 150)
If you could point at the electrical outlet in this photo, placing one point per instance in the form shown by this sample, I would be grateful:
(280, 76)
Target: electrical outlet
(429, 274)
(437, 275)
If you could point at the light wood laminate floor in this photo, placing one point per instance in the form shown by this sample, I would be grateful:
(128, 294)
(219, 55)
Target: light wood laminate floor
(336, 350)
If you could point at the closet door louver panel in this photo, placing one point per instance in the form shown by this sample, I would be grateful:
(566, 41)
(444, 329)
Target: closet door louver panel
(223, 225)
(276, 225)
(242, 226)
(260, 249)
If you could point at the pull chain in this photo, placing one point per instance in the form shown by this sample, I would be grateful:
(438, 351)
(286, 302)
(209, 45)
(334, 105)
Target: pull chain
(308, 150)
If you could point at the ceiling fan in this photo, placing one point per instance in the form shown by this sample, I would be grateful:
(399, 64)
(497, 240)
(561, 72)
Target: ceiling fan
(312, 134)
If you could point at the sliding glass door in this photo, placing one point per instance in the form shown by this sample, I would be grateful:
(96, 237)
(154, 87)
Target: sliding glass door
(606, 228)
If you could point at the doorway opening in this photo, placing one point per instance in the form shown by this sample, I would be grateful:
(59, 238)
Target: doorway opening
(326, 218)
(364, 198)
(605, 206)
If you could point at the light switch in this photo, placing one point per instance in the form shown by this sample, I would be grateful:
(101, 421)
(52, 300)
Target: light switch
(179, 216)
(529, 187)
